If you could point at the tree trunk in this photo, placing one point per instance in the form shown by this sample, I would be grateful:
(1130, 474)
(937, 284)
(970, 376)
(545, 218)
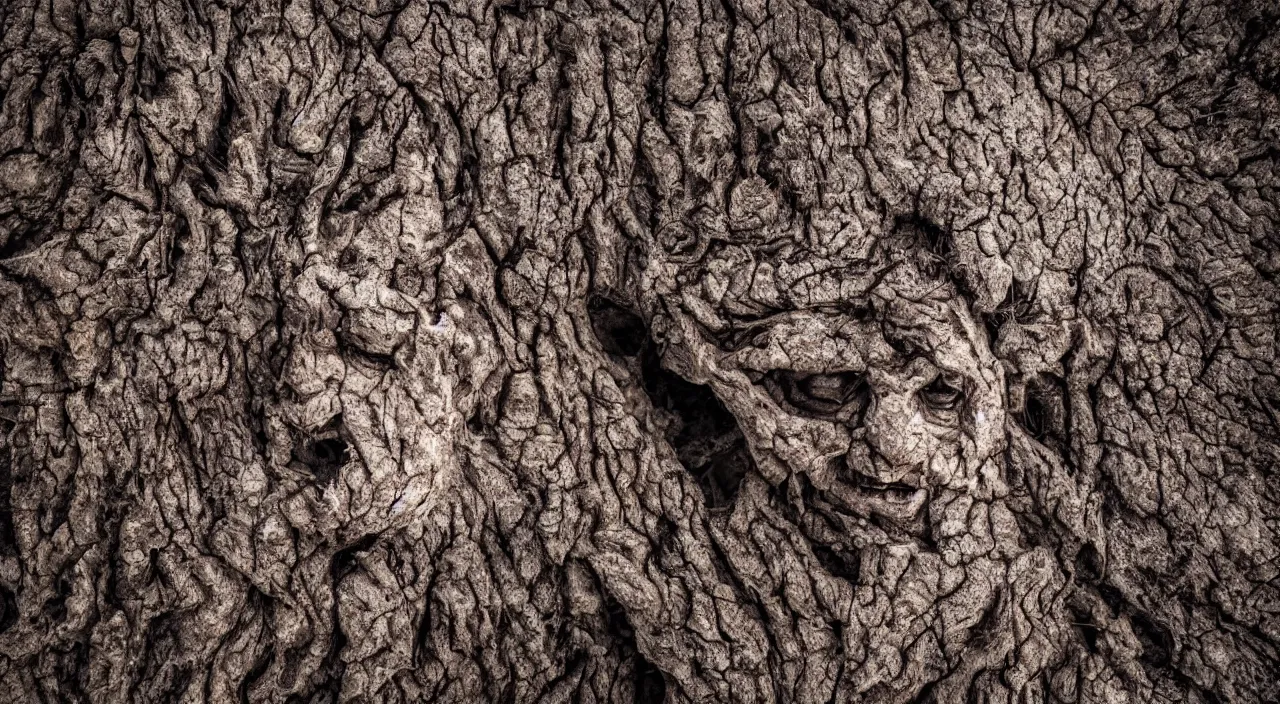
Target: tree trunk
(691, 351)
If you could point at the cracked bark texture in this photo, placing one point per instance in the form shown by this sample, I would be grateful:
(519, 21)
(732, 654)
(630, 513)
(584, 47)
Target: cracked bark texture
(684, 351)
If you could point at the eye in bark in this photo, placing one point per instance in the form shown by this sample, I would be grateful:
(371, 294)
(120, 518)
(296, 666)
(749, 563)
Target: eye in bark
(330, 450)
(619, 330)
(825, 395)
(322, 456)
(943, 395)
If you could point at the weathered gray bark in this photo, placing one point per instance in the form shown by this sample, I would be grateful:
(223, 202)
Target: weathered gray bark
(759, 351)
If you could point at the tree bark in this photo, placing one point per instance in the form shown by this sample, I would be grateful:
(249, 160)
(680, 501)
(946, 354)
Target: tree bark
(723, 350)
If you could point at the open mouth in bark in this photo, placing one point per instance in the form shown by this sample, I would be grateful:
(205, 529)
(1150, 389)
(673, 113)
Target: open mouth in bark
(896, 502)
(892, 493)
(897, 506)
(856, 517)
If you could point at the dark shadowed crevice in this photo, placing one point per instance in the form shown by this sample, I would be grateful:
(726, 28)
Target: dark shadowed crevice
(324, 452)
(1088, 565)
(20, 239)
(519, 8)
(328, 451)
(422, 635)
(357, 196)
(843, 562)
(837, 565)
(1044, 414)
(927, 235)
(8, 609)
(1157, 643)
(704, 434)
(165, 677)
(1112, 596)
(332, 669)
(219, 147)
(181, 234)
(987, 628)
(1257, 62)
(1036, 530)
(477, 425)
(619, 330)
(255, 673)
(72, 672)
(259, 603)
(926, 695)
(8, 539)
(344, 561)
(650, 685)
(1091, 571)
(55, 607)
(1084, 626)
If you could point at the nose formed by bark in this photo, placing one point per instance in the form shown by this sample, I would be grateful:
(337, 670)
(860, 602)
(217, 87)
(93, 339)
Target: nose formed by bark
(893, 431)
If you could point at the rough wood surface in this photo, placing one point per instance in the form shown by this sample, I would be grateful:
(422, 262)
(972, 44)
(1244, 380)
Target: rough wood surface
(681, 351)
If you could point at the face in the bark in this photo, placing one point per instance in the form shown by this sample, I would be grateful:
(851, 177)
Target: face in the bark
(885, 404)
(378, 388)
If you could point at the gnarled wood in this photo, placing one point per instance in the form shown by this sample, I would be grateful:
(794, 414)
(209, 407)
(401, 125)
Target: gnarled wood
(688, 351)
